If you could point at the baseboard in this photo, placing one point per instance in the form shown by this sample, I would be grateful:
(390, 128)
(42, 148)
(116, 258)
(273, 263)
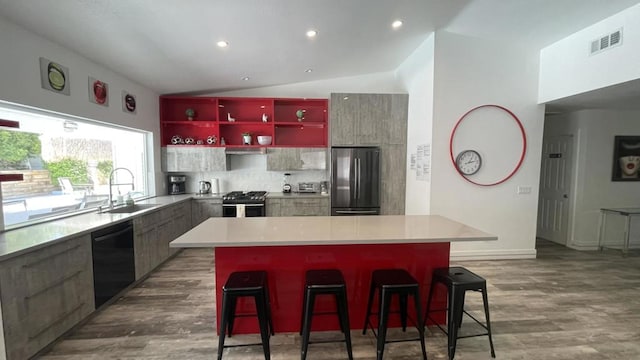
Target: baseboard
(583, 247)
(493, 254)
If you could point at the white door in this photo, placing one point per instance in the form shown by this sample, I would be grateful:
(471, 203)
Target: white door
(555, 182)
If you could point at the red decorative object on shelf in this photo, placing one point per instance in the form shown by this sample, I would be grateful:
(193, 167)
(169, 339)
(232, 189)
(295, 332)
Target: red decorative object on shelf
(230, 117)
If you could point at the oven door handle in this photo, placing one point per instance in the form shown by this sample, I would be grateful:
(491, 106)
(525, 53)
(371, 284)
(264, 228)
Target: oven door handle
(234, 205)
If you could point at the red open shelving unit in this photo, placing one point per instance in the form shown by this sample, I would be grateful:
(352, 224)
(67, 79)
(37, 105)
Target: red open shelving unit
(231, 117)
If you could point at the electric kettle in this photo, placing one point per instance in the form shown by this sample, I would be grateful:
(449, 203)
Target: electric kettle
(204, 187)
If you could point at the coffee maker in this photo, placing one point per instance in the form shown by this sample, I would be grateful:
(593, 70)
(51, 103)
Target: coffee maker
(177, 184)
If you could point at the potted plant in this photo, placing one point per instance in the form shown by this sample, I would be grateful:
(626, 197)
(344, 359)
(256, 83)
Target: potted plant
(246, 138)
(190, 113)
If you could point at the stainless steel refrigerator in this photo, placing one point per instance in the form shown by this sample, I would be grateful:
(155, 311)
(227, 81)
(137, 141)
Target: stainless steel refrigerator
(355, 180)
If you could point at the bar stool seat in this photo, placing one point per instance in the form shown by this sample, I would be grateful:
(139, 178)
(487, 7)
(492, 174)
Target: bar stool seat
(243, 284)
(389, 282)
(324, 282)
(458, 281)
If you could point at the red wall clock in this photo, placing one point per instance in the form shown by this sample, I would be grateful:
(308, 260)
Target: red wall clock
(462, 162)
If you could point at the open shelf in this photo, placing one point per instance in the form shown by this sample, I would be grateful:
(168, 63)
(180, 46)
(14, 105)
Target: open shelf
(248, 116)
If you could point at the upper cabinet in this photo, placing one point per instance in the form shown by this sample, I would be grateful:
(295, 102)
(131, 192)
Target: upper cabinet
(206, 121)
(296, 159)
(368, 119)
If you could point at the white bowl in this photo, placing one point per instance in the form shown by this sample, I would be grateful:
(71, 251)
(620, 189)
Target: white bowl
(264, 140)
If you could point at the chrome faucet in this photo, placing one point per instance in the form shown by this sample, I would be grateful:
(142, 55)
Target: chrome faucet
(111, 184)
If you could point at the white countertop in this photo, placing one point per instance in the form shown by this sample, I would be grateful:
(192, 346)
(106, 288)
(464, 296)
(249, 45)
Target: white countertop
(328, 230)
(18, 241)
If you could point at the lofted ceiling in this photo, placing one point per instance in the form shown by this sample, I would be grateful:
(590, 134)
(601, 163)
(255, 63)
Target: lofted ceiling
(170, 46)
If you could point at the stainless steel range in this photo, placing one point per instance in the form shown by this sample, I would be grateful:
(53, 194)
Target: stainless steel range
(244, 204)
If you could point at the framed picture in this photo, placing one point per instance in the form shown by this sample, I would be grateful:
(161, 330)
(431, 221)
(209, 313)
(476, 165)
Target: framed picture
(98, 92)
(54, 77)
(626, 158)
(128, 102)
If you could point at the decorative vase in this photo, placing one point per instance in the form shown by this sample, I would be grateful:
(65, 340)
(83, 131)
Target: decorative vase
(300, 114)
(190, 114)
(246, 139)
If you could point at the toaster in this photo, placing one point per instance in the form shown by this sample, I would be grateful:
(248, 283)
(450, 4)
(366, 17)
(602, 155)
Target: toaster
(307, 187)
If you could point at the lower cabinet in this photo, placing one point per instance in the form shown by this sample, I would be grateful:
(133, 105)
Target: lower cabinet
(44, 293)
(154, 231)
(203, 209)
(298, 206)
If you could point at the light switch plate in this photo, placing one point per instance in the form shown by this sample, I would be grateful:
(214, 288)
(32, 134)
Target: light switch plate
(524, 189)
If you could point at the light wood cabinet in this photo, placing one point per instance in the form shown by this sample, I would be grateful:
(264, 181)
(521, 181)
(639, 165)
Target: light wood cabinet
(282, 159)
(154, 231)
(298, 206)
(44, 293)
(202, 209)
(368, 119)
(376, 120)
(185, 158)
(273, 207)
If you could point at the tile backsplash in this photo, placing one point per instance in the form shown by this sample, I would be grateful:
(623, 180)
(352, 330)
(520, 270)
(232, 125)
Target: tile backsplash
(248, 172)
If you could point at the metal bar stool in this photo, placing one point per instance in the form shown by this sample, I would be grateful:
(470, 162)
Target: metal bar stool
(324, 282)
(458, 281)
(241, 284)
(391, 282)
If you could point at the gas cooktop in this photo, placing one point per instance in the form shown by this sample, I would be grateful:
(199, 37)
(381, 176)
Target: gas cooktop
(240, 197)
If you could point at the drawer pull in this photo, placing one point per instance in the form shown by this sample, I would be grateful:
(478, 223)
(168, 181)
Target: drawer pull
(52, 285)
(32, 264)
(59, 319)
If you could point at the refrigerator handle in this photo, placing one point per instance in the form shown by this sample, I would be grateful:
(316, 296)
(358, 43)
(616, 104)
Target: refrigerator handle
(358, 178)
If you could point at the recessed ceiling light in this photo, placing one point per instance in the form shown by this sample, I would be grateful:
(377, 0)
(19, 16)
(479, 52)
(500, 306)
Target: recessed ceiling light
(222, 44)
(396, 24)
(312, 33)
(246, 78)
(308, 70)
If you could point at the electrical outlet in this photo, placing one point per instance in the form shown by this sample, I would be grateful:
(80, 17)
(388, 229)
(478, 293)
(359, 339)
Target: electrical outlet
(524, 189)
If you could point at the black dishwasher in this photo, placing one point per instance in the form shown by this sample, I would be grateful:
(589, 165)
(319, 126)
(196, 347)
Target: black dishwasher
(113, 261)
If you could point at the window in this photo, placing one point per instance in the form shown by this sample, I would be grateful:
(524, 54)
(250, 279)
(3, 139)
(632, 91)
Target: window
(66, 163)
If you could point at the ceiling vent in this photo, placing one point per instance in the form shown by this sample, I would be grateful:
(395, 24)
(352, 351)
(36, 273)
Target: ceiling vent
(606, 42)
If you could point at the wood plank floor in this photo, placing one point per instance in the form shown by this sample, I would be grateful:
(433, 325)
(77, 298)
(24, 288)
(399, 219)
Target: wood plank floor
(564, 305)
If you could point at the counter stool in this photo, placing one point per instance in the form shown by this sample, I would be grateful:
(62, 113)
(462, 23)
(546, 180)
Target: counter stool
(458, 280)
(391, 282)
(324, 282)
(241, 284)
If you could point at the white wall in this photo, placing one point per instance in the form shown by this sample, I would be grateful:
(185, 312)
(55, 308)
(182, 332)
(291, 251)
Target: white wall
(416, 74)
(593, 132)
(384, 82)
(471, 72)
(566, 68)
(20, 83)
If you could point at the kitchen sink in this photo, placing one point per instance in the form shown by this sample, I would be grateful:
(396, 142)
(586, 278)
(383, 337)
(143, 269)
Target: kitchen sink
(130, 209)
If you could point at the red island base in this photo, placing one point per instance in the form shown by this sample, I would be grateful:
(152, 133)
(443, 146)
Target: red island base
(286, 266)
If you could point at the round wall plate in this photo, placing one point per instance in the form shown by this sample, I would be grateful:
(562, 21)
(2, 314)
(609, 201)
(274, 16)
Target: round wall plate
(522, 151)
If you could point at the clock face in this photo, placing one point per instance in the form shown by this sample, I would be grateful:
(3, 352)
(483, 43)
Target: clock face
(468, 162)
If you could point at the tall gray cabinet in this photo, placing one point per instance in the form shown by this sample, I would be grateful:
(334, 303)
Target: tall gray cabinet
(376, 120)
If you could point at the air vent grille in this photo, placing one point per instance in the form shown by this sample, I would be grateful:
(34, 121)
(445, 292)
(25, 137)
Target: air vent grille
(606, 42)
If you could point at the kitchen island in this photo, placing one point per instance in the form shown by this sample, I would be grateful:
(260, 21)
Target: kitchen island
(288, 246)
